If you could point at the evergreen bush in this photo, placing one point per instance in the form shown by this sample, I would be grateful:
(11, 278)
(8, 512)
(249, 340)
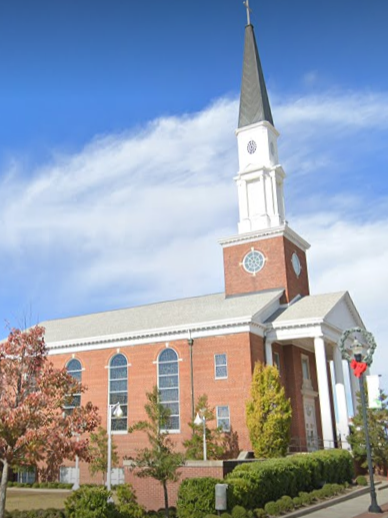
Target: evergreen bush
(239, 512)
(90, 502)
(196, 497)
(127, 502)
(272, 508)
(361, 480)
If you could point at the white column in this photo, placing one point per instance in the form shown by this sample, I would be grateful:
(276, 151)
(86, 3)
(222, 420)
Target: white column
(324, 393)
(354, 388)
(342, 407)
(268, 352)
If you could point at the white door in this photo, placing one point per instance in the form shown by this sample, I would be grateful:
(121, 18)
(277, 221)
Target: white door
(310, 424)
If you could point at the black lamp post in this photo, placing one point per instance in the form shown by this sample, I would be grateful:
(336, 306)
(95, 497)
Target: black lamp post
(360, 361)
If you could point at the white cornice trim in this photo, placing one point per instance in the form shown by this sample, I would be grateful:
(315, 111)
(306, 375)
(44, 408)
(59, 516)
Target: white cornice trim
(257, 125)
(196, 330)
(258, 235)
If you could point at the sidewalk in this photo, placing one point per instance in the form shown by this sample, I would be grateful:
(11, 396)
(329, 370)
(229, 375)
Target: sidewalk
(355, 507)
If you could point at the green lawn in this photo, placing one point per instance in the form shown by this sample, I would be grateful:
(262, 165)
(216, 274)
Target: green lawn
(25, 500)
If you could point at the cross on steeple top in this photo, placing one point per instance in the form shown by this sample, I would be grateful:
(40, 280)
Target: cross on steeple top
(246, 3)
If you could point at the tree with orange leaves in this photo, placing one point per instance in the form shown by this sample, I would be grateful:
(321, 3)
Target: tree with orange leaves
(34, 429)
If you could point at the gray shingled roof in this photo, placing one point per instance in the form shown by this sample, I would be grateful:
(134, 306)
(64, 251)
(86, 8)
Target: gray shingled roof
(254, 102)
(310, 307)
(190, 311)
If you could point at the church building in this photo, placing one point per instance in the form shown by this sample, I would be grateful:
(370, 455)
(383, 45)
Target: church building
(210, 344)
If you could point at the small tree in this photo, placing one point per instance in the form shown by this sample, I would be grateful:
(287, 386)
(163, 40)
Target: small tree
(159, 461)
(32, 397)
(378, 434)
(216, 442)
(98, 453)
(268, 413)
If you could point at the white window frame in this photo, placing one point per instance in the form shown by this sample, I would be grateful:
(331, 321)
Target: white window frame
(70, 407)
(172, 430)
(276, 361)
(118, 432)
(222, 365)
(306, 361)
(220, 418)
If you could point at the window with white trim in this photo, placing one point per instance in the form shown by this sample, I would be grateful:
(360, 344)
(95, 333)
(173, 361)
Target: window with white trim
(221, 366)
(305, 368)
(74, 368)
(223, 418)
(118, 390)
(276, 360)
(168, 385)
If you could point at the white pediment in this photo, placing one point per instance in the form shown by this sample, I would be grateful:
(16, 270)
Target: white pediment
(344, 314)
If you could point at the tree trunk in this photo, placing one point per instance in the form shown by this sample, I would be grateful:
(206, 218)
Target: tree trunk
(3, 488)
(166, 509)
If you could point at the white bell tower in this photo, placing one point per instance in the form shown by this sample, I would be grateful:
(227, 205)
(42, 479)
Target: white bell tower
(260, 177)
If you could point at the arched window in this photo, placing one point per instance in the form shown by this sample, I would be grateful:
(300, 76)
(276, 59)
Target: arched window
(118, 390)
(168, 384)
(74, 368)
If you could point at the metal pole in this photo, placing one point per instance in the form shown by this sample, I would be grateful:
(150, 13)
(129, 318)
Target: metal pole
(109, 468)
(76, 482)
(204, 438)
(374, 507)
(190, 341)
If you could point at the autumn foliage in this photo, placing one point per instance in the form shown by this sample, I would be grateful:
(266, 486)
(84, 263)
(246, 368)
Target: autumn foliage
(34, 429)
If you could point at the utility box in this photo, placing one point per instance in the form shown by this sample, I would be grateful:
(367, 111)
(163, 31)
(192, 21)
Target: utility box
(221, 497)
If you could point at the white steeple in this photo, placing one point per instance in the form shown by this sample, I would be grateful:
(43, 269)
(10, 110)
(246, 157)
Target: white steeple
(260, 177)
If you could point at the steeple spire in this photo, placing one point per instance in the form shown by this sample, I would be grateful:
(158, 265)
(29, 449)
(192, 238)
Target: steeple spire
(254, 102)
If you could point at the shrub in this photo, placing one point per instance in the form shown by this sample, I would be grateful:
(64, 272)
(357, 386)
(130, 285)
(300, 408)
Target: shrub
(272, 508)
(260, 513)
(127, 502)
(361, 480)
(239, 512)
(90, 502)
(286, 504)
(40, 513)
(298, 502)
(306, 498)
(226, 515)
(253, 485)
(196, 497)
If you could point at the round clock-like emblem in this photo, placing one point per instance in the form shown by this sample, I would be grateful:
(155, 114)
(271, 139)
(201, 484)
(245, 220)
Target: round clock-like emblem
(253, 262)
(251, 147)
(296, 264)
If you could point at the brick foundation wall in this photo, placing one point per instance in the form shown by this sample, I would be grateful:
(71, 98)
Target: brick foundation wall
(150, 492)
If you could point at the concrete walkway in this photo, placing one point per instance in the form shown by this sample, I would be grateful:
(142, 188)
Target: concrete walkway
(354, 507)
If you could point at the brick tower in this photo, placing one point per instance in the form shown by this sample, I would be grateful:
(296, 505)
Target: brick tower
(266, 253)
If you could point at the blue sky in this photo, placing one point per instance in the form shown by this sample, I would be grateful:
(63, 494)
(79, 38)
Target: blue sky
(117, 148)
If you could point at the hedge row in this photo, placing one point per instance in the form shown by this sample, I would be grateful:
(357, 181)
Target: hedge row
(254, 484)
(42, 485)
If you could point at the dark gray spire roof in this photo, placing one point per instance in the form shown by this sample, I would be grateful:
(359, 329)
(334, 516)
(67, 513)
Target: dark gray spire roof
(254, 103)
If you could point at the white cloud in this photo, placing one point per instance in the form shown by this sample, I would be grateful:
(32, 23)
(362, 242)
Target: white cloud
(135, 217)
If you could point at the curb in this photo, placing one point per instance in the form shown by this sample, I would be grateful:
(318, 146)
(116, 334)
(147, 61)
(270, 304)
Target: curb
(329, 503)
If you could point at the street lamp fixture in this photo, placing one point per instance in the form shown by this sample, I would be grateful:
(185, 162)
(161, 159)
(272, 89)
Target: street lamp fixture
(201, 419)
(360, 358)
(113, 411)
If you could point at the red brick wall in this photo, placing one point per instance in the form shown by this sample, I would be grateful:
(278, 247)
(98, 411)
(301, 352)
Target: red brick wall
(142, 376)
(276, 273)
(292, 356)
(150, 492)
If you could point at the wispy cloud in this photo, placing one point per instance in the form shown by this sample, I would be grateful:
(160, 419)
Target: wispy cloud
(135, 217)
